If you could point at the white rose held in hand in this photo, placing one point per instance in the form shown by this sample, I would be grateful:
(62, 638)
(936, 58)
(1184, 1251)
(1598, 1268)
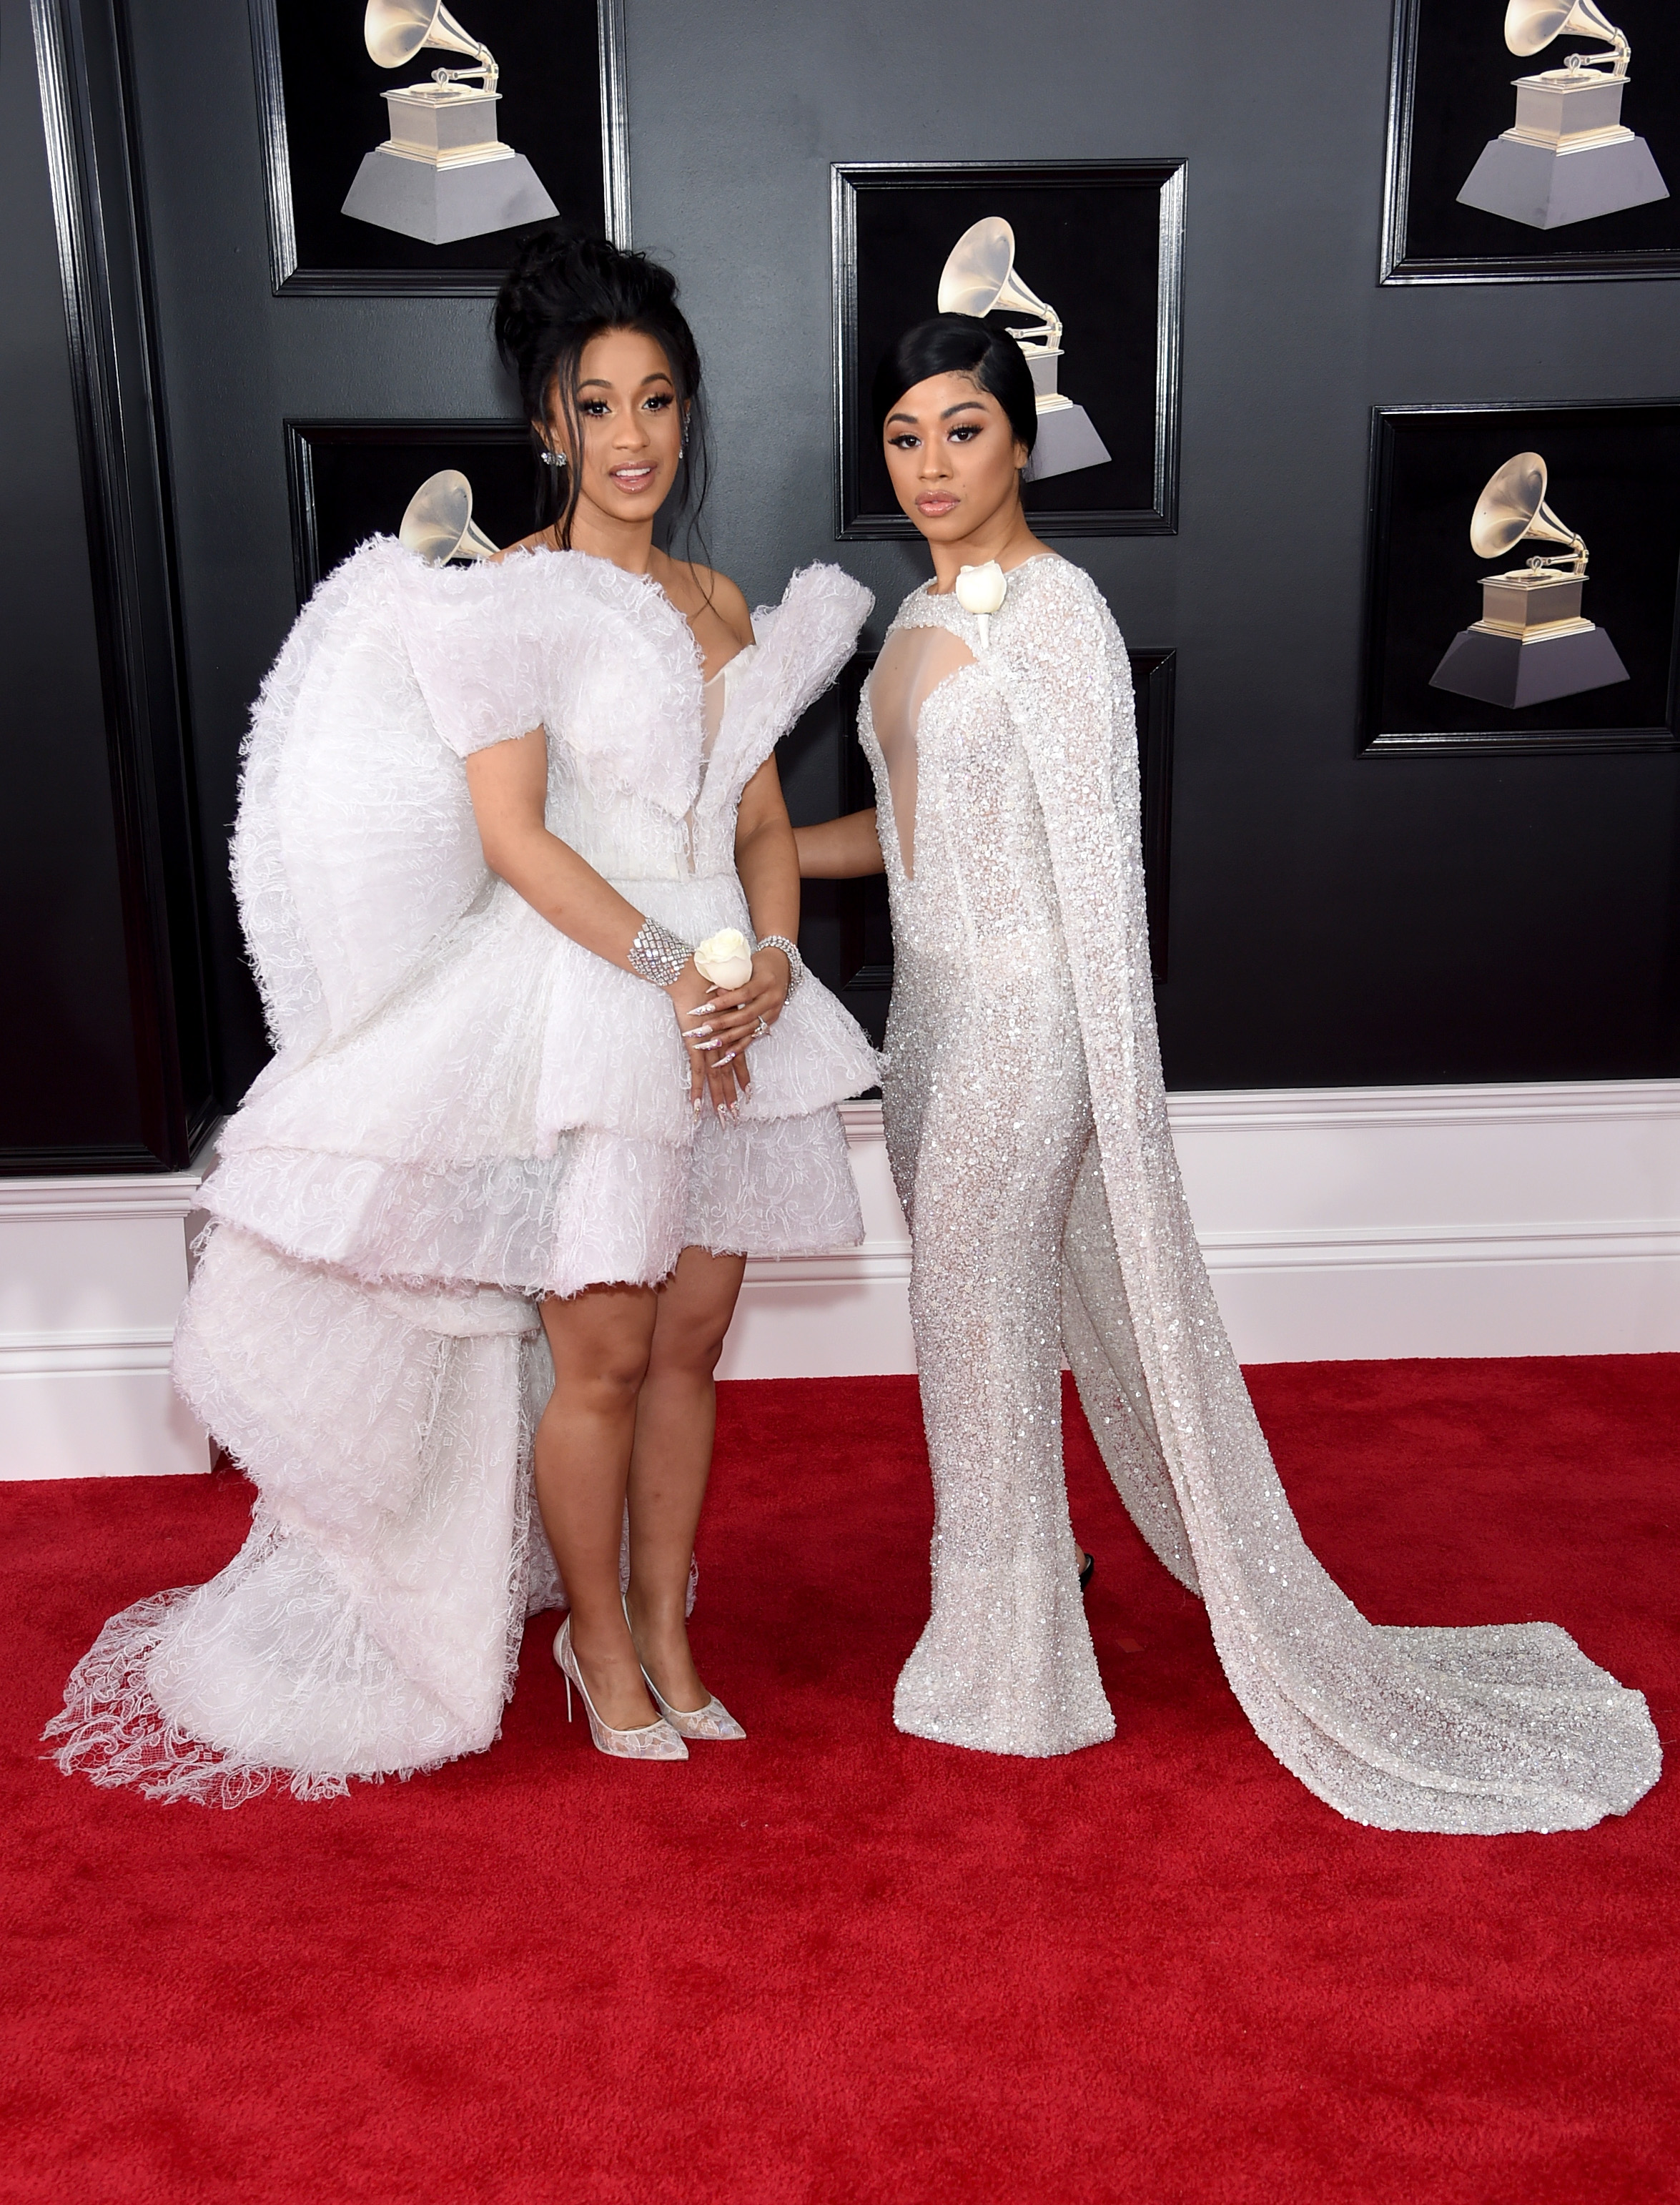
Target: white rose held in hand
(725, 958)
(982, 590)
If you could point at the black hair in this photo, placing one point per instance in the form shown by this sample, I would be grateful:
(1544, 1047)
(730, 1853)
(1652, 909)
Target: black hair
(561, 291)
(959, 344)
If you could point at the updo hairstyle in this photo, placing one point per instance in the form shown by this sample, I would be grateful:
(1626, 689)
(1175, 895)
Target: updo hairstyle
(959, 344)
(560, 292)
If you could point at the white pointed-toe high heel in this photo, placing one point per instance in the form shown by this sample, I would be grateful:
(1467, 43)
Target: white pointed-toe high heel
(713, 1722)
(654, 1741)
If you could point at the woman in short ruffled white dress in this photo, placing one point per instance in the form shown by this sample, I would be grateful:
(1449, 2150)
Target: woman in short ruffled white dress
(467, 1111)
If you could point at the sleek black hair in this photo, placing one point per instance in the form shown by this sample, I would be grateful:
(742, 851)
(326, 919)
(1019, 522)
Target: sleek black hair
(959, 344)
(561, 291)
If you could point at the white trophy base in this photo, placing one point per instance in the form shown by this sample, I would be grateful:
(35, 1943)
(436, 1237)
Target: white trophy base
(1066, 441)
(1548, 186)
(440, 205)
(1512, 670)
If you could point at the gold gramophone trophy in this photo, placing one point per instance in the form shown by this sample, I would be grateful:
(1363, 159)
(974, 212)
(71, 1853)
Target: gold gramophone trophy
(438, 526)
(1568, 157)
(979, 278)
(443, 174)
(1531, 643)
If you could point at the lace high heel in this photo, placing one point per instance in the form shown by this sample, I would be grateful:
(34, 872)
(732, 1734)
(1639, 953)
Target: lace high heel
(713, 1722)
(654, 1741)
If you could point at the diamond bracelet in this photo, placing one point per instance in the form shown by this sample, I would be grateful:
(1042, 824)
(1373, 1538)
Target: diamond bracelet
(796, 964)
(657, 955)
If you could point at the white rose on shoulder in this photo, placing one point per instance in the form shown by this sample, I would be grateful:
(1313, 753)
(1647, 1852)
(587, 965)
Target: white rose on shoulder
(725, 958)
(981, 589)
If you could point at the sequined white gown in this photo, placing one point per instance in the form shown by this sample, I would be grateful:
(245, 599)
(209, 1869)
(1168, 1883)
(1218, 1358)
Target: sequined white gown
(1027, 1125)
(466, 1110)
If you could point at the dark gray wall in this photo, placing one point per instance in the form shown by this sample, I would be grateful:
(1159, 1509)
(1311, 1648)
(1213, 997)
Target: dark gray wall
(64, 1004)
(1335, 918)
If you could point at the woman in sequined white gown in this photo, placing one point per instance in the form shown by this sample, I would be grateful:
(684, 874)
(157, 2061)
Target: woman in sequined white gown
(1027, 1125)
(510, 1141)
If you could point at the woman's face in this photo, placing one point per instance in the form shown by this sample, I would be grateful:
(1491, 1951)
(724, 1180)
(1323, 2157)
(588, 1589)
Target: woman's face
(952, 456)
(632, 425)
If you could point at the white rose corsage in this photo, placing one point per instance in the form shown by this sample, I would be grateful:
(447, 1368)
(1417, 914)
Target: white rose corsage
(980, 591)
(725, 958)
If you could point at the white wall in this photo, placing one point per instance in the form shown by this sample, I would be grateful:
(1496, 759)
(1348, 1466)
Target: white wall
(1539, 1219)
(1338, 1223)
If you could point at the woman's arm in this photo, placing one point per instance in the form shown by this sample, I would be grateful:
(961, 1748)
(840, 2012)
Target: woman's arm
(842, 849)
(509, 785)
(769, 873)
(765, 857)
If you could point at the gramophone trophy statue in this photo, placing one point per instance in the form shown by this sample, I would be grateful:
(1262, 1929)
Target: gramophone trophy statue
(1568, 157)
(443, 174)
(438, 525)
(1531, 644)
(979, 278)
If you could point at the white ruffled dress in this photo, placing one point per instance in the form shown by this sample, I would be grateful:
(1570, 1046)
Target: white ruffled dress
(466, 1110)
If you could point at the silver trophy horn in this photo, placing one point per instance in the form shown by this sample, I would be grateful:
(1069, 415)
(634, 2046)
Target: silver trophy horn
(1531, 643)
(443, 174)
(1568, 157)
(980, 278)
(438, 526)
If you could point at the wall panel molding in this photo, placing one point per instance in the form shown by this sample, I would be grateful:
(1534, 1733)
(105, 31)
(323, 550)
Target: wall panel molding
(93, 164)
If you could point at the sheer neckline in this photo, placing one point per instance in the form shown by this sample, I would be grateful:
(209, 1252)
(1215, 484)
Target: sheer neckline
(744, 649)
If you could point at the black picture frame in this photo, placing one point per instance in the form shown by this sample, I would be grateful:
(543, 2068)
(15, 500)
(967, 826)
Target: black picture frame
(569, 121)
(1615, 476)
(847, 933)
(1450, 92)
(1103, 240)
(352, 479)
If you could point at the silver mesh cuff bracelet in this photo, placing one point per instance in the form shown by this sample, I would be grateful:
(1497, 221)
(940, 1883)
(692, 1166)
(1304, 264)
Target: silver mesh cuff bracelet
(796, 964)
(657, 955)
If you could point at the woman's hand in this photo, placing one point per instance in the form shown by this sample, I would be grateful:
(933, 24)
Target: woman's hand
(723, 1021)
(721, 1085)
(734, 1013)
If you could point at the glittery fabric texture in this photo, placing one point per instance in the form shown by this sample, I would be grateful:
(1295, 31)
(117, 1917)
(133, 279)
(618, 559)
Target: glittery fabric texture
(466, 1110)
(1027, 1125)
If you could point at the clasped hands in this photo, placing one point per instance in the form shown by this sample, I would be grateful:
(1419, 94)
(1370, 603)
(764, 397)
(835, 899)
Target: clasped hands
(718, 1024)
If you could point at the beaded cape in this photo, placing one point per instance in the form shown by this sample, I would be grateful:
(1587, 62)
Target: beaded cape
(1500, 1727)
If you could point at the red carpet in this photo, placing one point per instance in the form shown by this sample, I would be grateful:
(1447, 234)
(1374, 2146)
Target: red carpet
(837, 1964)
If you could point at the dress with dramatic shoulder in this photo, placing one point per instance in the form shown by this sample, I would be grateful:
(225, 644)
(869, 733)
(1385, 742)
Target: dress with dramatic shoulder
(1027, 1125)
(466, 1111)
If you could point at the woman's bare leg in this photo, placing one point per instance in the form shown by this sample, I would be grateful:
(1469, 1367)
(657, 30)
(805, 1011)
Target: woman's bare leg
(600, 1340)
(675, 1417)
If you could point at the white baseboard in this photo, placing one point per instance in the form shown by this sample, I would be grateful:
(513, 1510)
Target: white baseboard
(1337, 1223)
(1346, 1223)
(92, 1274)
(845, 1315)
(1373, 1223)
